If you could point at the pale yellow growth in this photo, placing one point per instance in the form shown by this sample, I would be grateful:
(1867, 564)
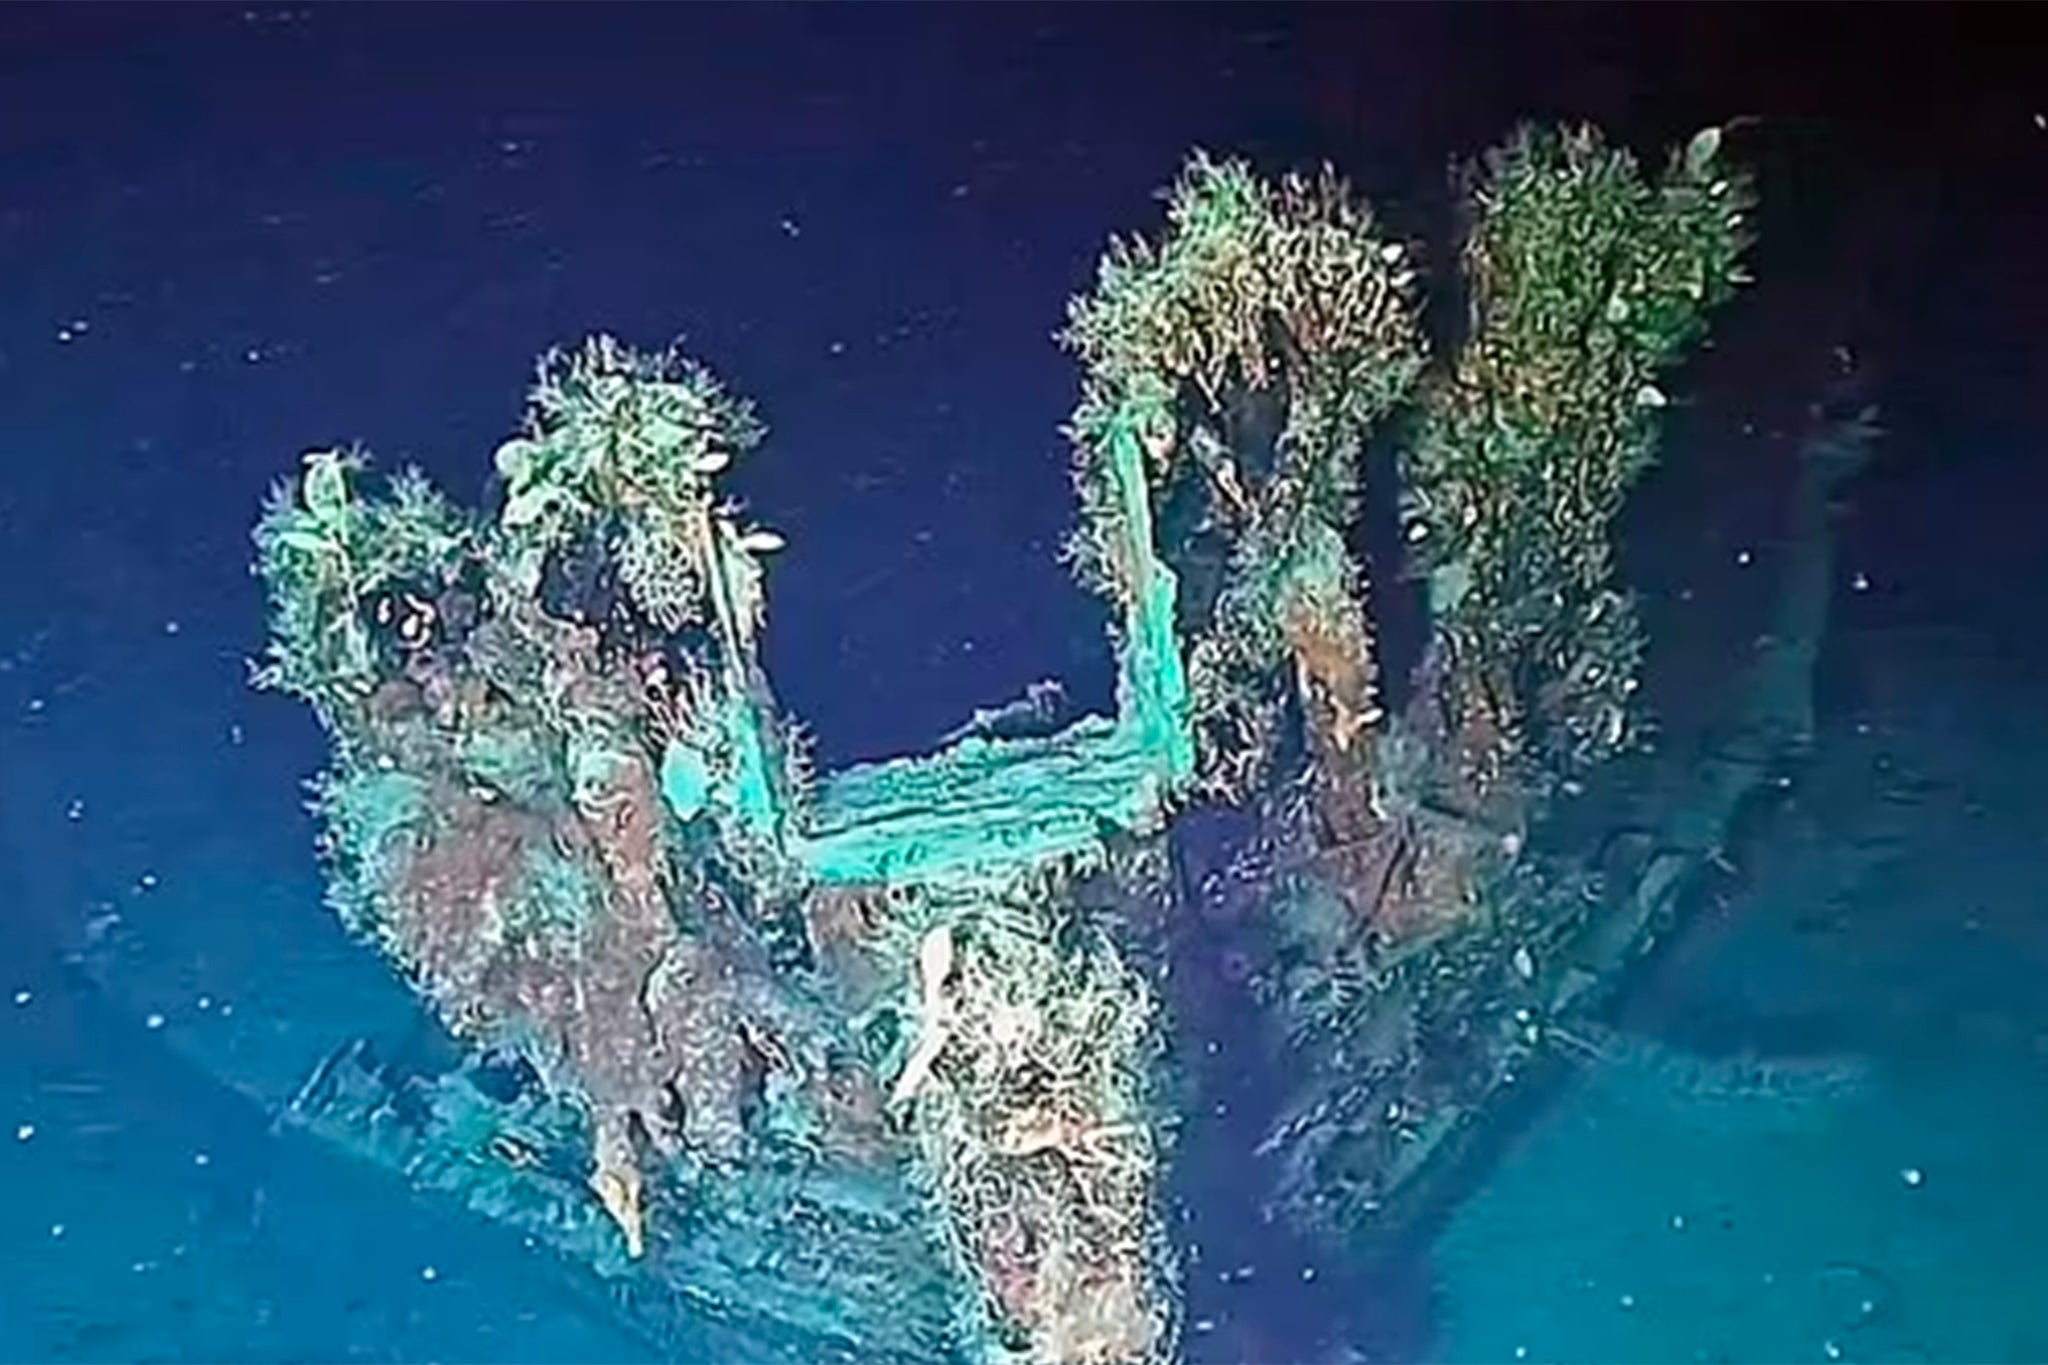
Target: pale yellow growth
(936, 1017)
(617, 1184)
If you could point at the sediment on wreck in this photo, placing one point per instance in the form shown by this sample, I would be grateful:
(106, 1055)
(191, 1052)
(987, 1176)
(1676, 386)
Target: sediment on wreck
(877, 1063)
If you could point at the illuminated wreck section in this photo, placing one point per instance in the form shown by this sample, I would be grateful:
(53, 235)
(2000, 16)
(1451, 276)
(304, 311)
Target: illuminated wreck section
(871, 1065)
(1429, 931)
(840, 1065)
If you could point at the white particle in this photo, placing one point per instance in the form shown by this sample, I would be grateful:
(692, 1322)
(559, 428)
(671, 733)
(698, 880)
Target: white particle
(1834, 1352)
(1205, 1324)
(155, 1021)
(56, 1229)
(1861, 582)
(147, 881)
(1912, 1176)
(76, 810)
(23, 997)
(206, 1002)
(1743, 557)
(171, 627)
(201, 1159)
(429, 1274)
(1678, 1222)
(24, 1132)
(1628, 1301)
(1308, 1272)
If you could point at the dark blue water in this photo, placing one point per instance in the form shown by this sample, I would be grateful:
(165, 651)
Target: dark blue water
(229, 233)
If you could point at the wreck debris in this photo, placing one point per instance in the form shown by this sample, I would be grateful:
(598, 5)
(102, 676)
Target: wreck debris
(880, 1051)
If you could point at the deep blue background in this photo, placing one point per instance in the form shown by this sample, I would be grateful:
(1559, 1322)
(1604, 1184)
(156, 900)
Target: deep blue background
(228, 234)
(268, 228)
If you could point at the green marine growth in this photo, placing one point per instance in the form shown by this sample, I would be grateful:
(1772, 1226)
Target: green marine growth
(1252, 354)
(563, 803)
(563, 800)
(1585, 283)
(556, 783)
(1234, 372)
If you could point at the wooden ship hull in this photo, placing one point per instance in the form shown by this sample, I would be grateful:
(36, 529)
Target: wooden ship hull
(881, 1063)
